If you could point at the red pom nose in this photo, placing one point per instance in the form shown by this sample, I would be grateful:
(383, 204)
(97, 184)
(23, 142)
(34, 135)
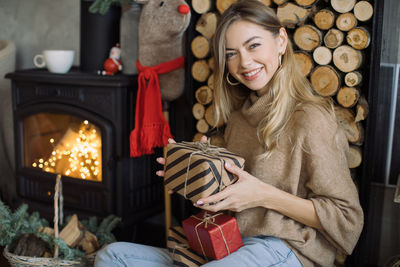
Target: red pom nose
(183, 9)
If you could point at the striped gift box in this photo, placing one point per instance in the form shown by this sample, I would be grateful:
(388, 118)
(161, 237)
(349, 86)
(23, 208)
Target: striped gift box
(179, 249)
(196, 169)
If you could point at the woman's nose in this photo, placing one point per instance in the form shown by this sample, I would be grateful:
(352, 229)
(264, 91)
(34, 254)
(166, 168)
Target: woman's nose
(245, 59)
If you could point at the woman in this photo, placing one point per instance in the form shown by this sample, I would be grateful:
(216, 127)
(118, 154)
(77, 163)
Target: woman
(295, 202)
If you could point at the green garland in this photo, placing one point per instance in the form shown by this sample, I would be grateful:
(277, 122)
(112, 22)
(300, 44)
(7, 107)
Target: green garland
(14, 224)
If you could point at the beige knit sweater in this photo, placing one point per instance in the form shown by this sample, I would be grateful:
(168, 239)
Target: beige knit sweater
(310, 162)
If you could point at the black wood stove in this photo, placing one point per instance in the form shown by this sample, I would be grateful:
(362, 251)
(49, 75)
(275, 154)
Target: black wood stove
(78, 124)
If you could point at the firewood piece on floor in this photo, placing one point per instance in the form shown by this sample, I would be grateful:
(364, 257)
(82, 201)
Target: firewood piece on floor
(30, 245)
(46, 230)
(89, 243)
(73, 232)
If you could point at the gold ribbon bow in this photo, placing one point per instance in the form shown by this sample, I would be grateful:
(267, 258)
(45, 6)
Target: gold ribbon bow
(209, 219)
(203, 148)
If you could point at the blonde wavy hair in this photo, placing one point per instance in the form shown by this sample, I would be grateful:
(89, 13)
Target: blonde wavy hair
(287, 89)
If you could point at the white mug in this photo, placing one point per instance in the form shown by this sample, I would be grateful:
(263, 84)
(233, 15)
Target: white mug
(57, 61)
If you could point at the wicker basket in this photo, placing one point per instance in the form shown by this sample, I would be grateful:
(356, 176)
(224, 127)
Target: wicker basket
(26, 261)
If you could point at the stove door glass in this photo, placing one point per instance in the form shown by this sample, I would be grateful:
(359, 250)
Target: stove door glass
(65, 144)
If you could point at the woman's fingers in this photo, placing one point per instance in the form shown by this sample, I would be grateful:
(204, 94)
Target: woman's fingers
(233, 169)
(171, 141)
(160, 173)
(203, 139)
(161, 160)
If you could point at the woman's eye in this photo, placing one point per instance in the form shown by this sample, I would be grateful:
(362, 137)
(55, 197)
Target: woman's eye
(252, 46)
(229, 55)
(161, 3)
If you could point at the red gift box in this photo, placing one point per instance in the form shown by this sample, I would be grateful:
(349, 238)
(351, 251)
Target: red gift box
(213, 235)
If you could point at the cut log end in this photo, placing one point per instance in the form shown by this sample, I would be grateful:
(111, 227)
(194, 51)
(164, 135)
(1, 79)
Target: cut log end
(355, 157)
(304, 62)
(359, 38)
(333, 38)
(346, 21)
(307, 37)
(347, 96)
(346, 58)
(207, 24)
(201, 6)
(200, 47)
(223, 5)
(200, 70)
(322, 55)
(363, 11)
(324, 19)
(353, 79)
(325, 80)
(204, 95)
(343, 6)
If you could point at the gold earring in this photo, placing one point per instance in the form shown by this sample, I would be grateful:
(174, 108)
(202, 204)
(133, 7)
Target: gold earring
(280, 59)
(229, 81)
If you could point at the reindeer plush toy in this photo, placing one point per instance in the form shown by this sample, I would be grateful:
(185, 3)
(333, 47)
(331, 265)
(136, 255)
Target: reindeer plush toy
(161, 74)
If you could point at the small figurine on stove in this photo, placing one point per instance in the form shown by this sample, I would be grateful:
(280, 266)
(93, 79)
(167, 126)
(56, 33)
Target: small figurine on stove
(113, 63)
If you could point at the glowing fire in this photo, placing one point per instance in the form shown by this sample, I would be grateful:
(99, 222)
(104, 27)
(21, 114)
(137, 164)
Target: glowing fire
(77, 154)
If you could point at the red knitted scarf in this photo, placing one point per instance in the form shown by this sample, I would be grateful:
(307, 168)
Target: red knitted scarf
(151, 128)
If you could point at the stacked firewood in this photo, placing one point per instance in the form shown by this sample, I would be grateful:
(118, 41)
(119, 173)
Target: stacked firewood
(330, 39)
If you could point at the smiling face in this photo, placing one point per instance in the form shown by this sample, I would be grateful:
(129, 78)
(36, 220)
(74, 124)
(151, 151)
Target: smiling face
(252, 54)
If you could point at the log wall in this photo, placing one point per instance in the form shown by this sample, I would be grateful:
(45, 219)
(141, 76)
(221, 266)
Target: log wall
(331, 40)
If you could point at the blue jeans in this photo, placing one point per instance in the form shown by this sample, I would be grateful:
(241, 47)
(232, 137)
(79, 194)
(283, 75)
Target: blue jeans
(256, 251)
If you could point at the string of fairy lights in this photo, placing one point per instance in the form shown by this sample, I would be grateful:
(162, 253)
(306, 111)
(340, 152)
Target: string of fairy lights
(77, 154)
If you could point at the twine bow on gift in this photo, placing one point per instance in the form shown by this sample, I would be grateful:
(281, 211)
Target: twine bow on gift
(208, 149)
(209, 219)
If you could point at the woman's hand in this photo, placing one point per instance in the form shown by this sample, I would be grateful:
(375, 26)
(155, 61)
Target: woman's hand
(247, 192)
(161, 161)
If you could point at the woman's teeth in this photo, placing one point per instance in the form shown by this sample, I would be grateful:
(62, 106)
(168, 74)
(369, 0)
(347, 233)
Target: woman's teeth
(254, 72)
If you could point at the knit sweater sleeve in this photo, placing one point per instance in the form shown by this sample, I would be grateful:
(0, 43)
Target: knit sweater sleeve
(332, 189)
